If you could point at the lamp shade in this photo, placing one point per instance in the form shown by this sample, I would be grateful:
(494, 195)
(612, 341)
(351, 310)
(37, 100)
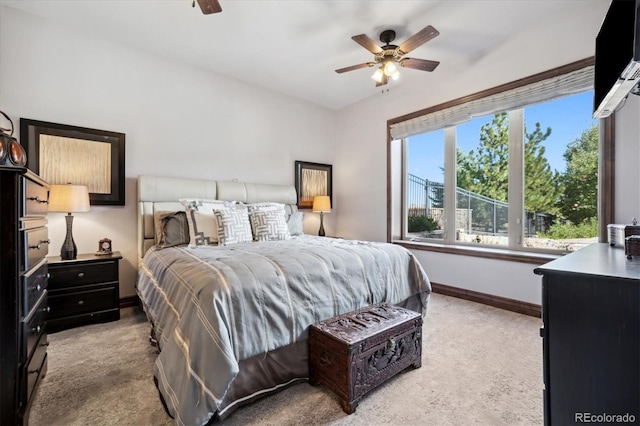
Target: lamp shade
(322, 203)
(68, 198)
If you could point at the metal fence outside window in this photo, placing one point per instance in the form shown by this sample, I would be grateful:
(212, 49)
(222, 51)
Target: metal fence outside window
(475, 213)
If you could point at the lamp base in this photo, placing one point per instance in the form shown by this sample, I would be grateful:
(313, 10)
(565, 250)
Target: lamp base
(321, 231)
(69, 250)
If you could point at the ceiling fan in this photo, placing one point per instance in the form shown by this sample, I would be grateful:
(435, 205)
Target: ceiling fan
(208, 6)
(389, 55)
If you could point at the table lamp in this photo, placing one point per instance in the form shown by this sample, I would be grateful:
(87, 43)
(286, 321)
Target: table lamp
(321, 204)
(68, 199)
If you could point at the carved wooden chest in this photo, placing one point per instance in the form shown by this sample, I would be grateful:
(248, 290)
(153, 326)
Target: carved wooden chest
(353, 353)
(632, 246)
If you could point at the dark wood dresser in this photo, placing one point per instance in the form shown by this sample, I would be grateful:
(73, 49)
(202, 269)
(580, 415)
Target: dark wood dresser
(83, 291)
(24, 244)
(591, 333)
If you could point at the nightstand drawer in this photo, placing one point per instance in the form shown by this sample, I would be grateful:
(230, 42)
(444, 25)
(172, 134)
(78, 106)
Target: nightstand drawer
(85, 290)
(82, 274)
(81, 302)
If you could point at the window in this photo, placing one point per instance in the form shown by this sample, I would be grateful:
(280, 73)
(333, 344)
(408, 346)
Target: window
(523, 176)
(561, 173)
(482, 180)
(425, 189)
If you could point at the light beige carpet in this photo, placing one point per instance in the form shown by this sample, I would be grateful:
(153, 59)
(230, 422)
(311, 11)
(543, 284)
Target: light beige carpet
(480, 365)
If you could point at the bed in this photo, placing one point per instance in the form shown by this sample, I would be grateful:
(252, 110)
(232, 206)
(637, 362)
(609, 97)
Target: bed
(231, 321)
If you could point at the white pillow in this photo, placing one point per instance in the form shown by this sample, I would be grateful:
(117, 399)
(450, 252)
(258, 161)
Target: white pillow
(204, 205)
(265, 207)
(233, 226)
(269, 225)
(295, 223)
(202, 225)
(202, 229)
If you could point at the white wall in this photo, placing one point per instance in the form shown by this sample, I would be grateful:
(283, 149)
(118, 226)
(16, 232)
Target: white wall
(178, 120)
(361, 158)
(627, 159)
(181, 120)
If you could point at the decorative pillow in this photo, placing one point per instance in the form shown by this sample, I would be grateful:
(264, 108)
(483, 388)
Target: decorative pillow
(202, 225)
(233, 226)
(269, 225)
(294, 223)
(204, 205)
(172, 228)
(202, 229)
(289, 209)
(265, 207)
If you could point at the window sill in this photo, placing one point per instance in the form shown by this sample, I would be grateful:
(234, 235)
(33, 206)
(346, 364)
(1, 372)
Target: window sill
(535, 258)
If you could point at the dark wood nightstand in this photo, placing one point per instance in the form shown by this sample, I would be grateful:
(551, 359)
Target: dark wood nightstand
(83, 291)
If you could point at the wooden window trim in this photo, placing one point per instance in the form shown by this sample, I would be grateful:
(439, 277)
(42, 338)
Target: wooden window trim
(606, 188)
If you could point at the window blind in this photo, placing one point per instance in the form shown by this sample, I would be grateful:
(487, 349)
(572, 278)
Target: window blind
(545, 90)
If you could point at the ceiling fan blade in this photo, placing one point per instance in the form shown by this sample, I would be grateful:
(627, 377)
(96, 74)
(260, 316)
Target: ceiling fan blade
(364, 41)
(384, 81)
(209, 6)
(419, 64)
(356, 67)
(418, 39)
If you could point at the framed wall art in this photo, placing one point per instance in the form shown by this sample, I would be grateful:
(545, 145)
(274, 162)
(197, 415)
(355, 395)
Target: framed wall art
(62, 154)
(312, 179)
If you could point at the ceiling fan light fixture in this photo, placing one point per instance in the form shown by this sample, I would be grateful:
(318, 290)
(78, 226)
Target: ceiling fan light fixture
(377, 76)
(388, 57)
(390, 69)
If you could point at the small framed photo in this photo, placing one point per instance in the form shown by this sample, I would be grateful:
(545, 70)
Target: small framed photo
(312, 179)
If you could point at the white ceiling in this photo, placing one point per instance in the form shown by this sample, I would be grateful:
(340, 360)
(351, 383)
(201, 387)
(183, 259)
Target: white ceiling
(294, 46)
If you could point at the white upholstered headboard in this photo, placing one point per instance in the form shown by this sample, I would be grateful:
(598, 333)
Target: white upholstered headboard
(158, 193)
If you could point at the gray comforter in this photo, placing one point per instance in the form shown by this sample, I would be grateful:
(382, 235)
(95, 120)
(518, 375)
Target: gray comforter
(212, 307)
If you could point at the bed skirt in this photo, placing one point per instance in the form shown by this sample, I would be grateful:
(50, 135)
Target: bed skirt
(265, 374)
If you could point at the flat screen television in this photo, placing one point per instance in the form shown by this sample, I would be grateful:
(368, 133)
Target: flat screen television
(617, 57)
